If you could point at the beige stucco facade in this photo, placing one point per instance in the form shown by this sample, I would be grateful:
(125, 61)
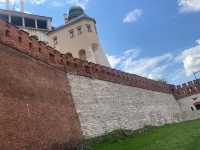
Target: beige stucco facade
(83, 43)
(81, 40)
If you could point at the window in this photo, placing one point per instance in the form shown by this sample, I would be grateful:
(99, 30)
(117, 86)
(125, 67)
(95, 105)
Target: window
(4, 17)
(69, 55)
(197, 106)
(17, 21)
(42, 24)
(79, 29)
(55, 41)
(71, 33)
(29, 22)
(89, 29)
(82, 54)
(192, 108)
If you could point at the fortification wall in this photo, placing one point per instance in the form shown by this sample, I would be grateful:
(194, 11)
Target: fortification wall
(104, 106)
(188, 107)
(36, 107)
(36, 101)
(186, 89)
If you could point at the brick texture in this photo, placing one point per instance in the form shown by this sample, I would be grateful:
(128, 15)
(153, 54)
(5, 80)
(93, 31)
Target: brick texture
(36, 107)
(186, 89)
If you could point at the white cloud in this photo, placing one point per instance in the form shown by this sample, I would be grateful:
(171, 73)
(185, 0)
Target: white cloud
(81, 3)
(37, 2)
(3, 1)
(151, 67)
(57, 3)
(114, 61)
(133, 16)
(190, 59)
(189, 5)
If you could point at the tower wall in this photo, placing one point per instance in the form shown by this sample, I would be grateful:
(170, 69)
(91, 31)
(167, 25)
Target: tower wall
(84, 41)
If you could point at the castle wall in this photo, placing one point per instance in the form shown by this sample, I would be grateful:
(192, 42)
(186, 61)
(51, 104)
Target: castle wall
(187, 105)
(104, 106)
(36, 109)
(38, 83)
(84, 41)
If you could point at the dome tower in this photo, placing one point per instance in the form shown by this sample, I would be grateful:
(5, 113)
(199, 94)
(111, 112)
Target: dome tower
(74, 12)
(79, 37)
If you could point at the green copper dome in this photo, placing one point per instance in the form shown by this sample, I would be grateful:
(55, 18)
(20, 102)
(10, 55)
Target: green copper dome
(75, 11)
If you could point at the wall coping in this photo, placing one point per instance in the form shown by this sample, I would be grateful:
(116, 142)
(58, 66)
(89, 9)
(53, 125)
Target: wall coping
(186, 89)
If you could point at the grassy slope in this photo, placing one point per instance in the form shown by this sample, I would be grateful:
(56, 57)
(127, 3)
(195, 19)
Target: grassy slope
(182, 136)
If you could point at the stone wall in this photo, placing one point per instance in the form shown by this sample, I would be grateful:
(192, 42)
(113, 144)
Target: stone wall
(104, 106)
(188, 108)
(36, 107)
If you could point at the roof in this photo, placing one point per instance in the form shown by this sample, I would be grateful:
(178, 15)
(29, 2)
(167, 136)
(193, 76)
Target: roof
(75, 11)
(82, 17)
(13, 12)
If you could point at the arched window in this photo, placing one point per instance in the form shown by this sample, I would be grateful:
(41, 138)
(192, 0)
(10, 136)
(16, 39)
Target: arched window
(197, 105)
(68, 55)
(82, 54)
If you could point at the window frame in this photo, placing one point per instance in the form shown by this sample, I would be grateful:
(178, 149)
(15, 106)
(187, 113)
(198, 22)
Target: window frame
(89, 28)
(39, 26)
(29, 26)
(55, 41)
(16, 21)
(79, 30)
(71, 33)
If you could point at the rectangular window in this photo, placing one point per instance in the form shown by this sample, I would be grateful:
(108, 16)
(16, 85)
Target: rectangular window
(29, 22)
(16, 21)
(197, 106)
(89, 29)
(4, 17)
(42, 24)
(71, 33)
(79, 29)
(55, 41)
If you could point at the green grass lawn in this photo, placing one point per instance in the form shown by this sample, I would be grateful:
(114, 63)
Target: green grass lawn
(182, 136)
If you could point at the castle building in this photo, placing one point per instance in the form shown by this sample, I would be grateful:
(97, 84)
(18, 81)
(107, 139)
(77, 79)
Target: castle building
(49, 101)
(35, 25)
(77, 37)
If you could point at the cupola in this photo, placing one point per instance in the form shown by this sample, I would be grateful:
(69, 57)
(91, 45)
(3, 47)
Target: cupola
(74, 12)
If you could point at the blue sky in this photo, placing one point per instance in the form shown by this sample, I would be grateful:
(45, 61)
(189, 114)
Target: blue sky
(157, 39)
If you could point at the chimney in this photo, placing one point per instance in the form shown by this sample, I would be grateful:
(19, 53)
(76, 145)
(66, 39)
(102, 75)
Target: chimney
(65, 18)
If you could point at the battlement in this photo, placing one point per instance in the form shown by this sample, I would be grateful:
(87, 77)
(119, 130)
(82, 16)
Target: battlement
(20, 40)
(187, 89)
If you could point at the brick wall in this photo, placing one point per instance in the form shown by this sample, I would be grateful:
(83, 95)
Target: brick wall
(186, 89)
(21, 41)
(36, 107)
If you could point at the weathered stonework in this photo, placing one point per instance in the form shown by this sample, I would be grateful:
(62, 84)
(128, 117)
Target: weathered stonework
(187, 105)
(104, 106)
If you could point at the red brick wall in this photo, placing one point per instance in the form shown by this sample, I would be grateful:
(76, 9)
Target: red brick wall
(20, 40)
(36, 108)
(187, 89)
